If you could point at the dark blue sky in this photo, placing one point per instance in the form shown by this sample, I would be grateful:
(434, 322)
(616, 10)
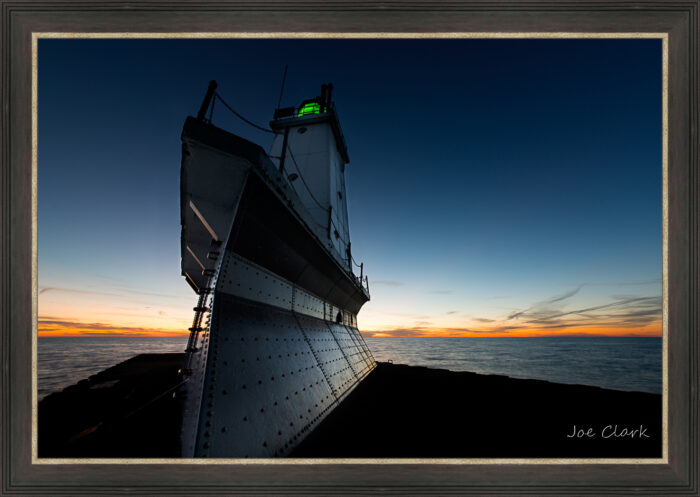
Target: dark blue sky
(485, 176)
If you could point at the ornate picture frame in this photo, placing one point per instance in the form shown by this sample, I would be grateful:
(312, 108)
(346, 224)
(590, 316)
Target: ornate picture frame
(676, 474)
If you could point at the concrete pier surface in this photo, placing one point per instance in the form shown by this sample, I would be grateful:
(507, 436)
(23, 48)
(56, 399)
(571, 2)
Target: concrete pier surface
(130, 411)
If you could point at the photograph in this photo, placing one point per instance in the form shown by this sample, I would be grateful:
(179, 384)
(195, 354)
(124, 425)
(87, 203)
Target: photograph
(351, 248)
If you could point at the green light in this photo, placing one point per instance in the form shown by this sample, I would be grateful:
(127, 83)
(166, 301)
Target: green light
(310, 108)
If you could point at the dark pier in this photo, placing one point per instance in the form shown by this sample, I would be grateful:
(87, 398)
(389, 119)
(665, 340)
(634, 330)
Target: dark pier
(130, 411)
(127, 410)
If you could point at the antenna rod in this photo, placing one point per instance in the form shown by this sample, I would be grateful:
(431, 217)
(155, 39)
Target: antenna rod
(330, 91)
(323, 98)
(284, 149)
(284, 78)
(207, 99)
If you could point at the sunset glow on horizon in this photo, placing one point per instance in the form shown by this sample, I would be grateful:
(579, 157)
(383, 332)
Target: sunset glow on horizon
(654, 331)
(52, 327)
(116, 310)
(626, 316)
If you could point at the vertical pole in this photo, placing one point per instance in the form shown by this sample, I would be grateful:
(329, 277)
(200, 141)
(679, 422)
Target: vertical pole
(284, 78)
(330, 92)
(330, 221)
(323, 99)
(284, 150)
(207, 98)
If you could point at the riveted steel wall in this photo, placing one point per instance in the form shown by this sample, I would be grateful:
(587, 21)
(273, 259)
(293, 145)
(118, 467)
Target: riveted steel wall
(362, 345)
(328, 354)
(308, 304)
(358, 357)
(278, 348)
(271, 376)
(242, 278)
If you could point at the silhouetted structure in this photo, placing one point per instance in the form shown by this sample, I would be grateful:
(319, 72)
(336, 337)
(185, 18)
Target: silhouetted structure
(274, 344)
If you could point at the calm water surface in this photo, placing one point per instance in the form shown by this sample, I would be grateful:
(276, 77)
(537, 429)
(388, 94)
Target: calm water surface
(618, 363)
(64, 361)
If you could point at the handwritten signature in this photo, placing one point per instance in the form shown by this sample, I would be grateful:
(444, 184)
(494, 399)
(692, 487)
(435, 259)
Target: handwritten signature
(610, 431)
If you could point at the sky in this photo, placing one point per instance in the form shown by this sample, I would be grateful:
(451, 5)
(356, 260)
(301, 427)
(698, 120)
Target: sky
(495, 187)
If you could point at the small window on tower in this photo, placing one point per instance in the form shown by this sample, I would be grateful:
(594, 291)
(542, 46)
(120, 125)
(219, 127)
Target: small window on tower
(340, 194)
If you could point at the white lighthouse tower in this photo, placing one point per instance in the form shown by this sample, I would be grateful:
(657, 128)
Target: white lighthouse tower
(310, 151)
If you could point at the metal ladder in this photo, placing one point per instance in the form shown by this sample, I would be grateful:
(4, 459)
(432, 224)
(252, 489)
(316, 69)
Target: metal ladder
(201, 309)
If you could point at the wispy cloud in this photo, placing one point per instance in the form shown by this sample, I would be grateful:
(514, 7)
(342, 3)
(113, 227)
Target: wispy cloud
(544, 306)
(621, 315)
(651, 281)
(424, 331)
(626, 307)
(623, 311)
(131, 291)
(49, 326)
(105, 277)
(387, 283)
(45, 289)
(115, 292)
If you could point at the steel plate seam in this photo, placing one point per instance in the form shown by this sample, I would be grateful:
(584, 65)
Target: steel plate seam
(318, 361)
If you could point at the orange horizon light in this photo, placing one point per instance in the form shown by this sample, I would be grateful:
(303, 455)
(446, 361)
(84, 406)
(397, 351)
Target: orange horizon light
(654, 330)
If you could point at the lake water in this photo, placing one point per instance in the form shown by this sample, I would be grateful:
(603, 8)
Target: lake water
(628, 363)
(64, 361)
(618, 363)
